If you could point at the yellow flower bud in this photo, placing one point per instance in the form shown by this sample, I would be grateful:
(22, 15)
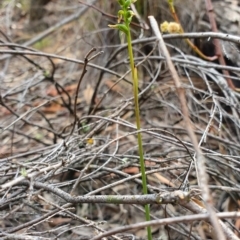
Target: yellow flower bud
(170, 27)
(164, 27)
(174, 27)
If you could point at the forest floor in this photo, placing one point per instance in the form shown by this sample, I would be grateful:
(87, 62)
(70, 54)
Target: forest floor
(67, 130)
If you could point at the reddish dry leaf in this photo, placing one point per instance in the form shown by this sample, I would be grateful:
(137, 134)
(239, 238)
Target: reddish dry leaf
(237, 226)
(131, 170)
(114, 88)
(52, 91)
(198, 202)
(53, 222)
(149, 163)
(4, 111)
(71, 87)
(53, 108)
(4, 152)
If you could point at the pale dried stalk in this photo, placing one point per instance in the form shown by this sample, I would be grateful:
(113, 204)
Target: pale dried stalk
(200, 159)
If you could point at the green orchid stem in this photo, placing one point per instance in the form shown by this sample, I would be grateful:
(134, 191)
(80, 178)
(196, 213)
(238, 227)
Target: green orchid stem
(139, 135)
(126, 15)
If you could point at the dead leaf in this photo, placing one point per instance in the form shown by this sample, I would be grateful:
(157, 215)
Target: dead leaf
(53, 108)
(149, 163)
(52, 91)
(198, 202)
(164, 180)
(113, 86)
(58, 220)
(87, 93)
(4, 111)
(131, 170)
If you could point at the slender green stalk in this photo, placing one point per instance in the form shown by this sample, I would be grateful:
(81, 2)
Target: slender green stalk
(139, 135)
(126, 15)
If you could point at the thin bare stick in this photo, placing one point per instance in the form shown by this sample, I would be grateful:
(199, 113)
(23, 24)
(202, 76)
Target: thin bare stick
(200, 159)
(35, 221)
(174, 197)
(218, 50)
(68, 212)
(164, 221)
(196, 208)
(84, 71)
(31, 174)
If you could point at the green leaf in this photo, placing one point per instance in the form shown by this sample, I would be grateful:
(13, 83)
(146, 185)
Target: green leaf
(121, 2)
(127, 4)
(122, 28)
